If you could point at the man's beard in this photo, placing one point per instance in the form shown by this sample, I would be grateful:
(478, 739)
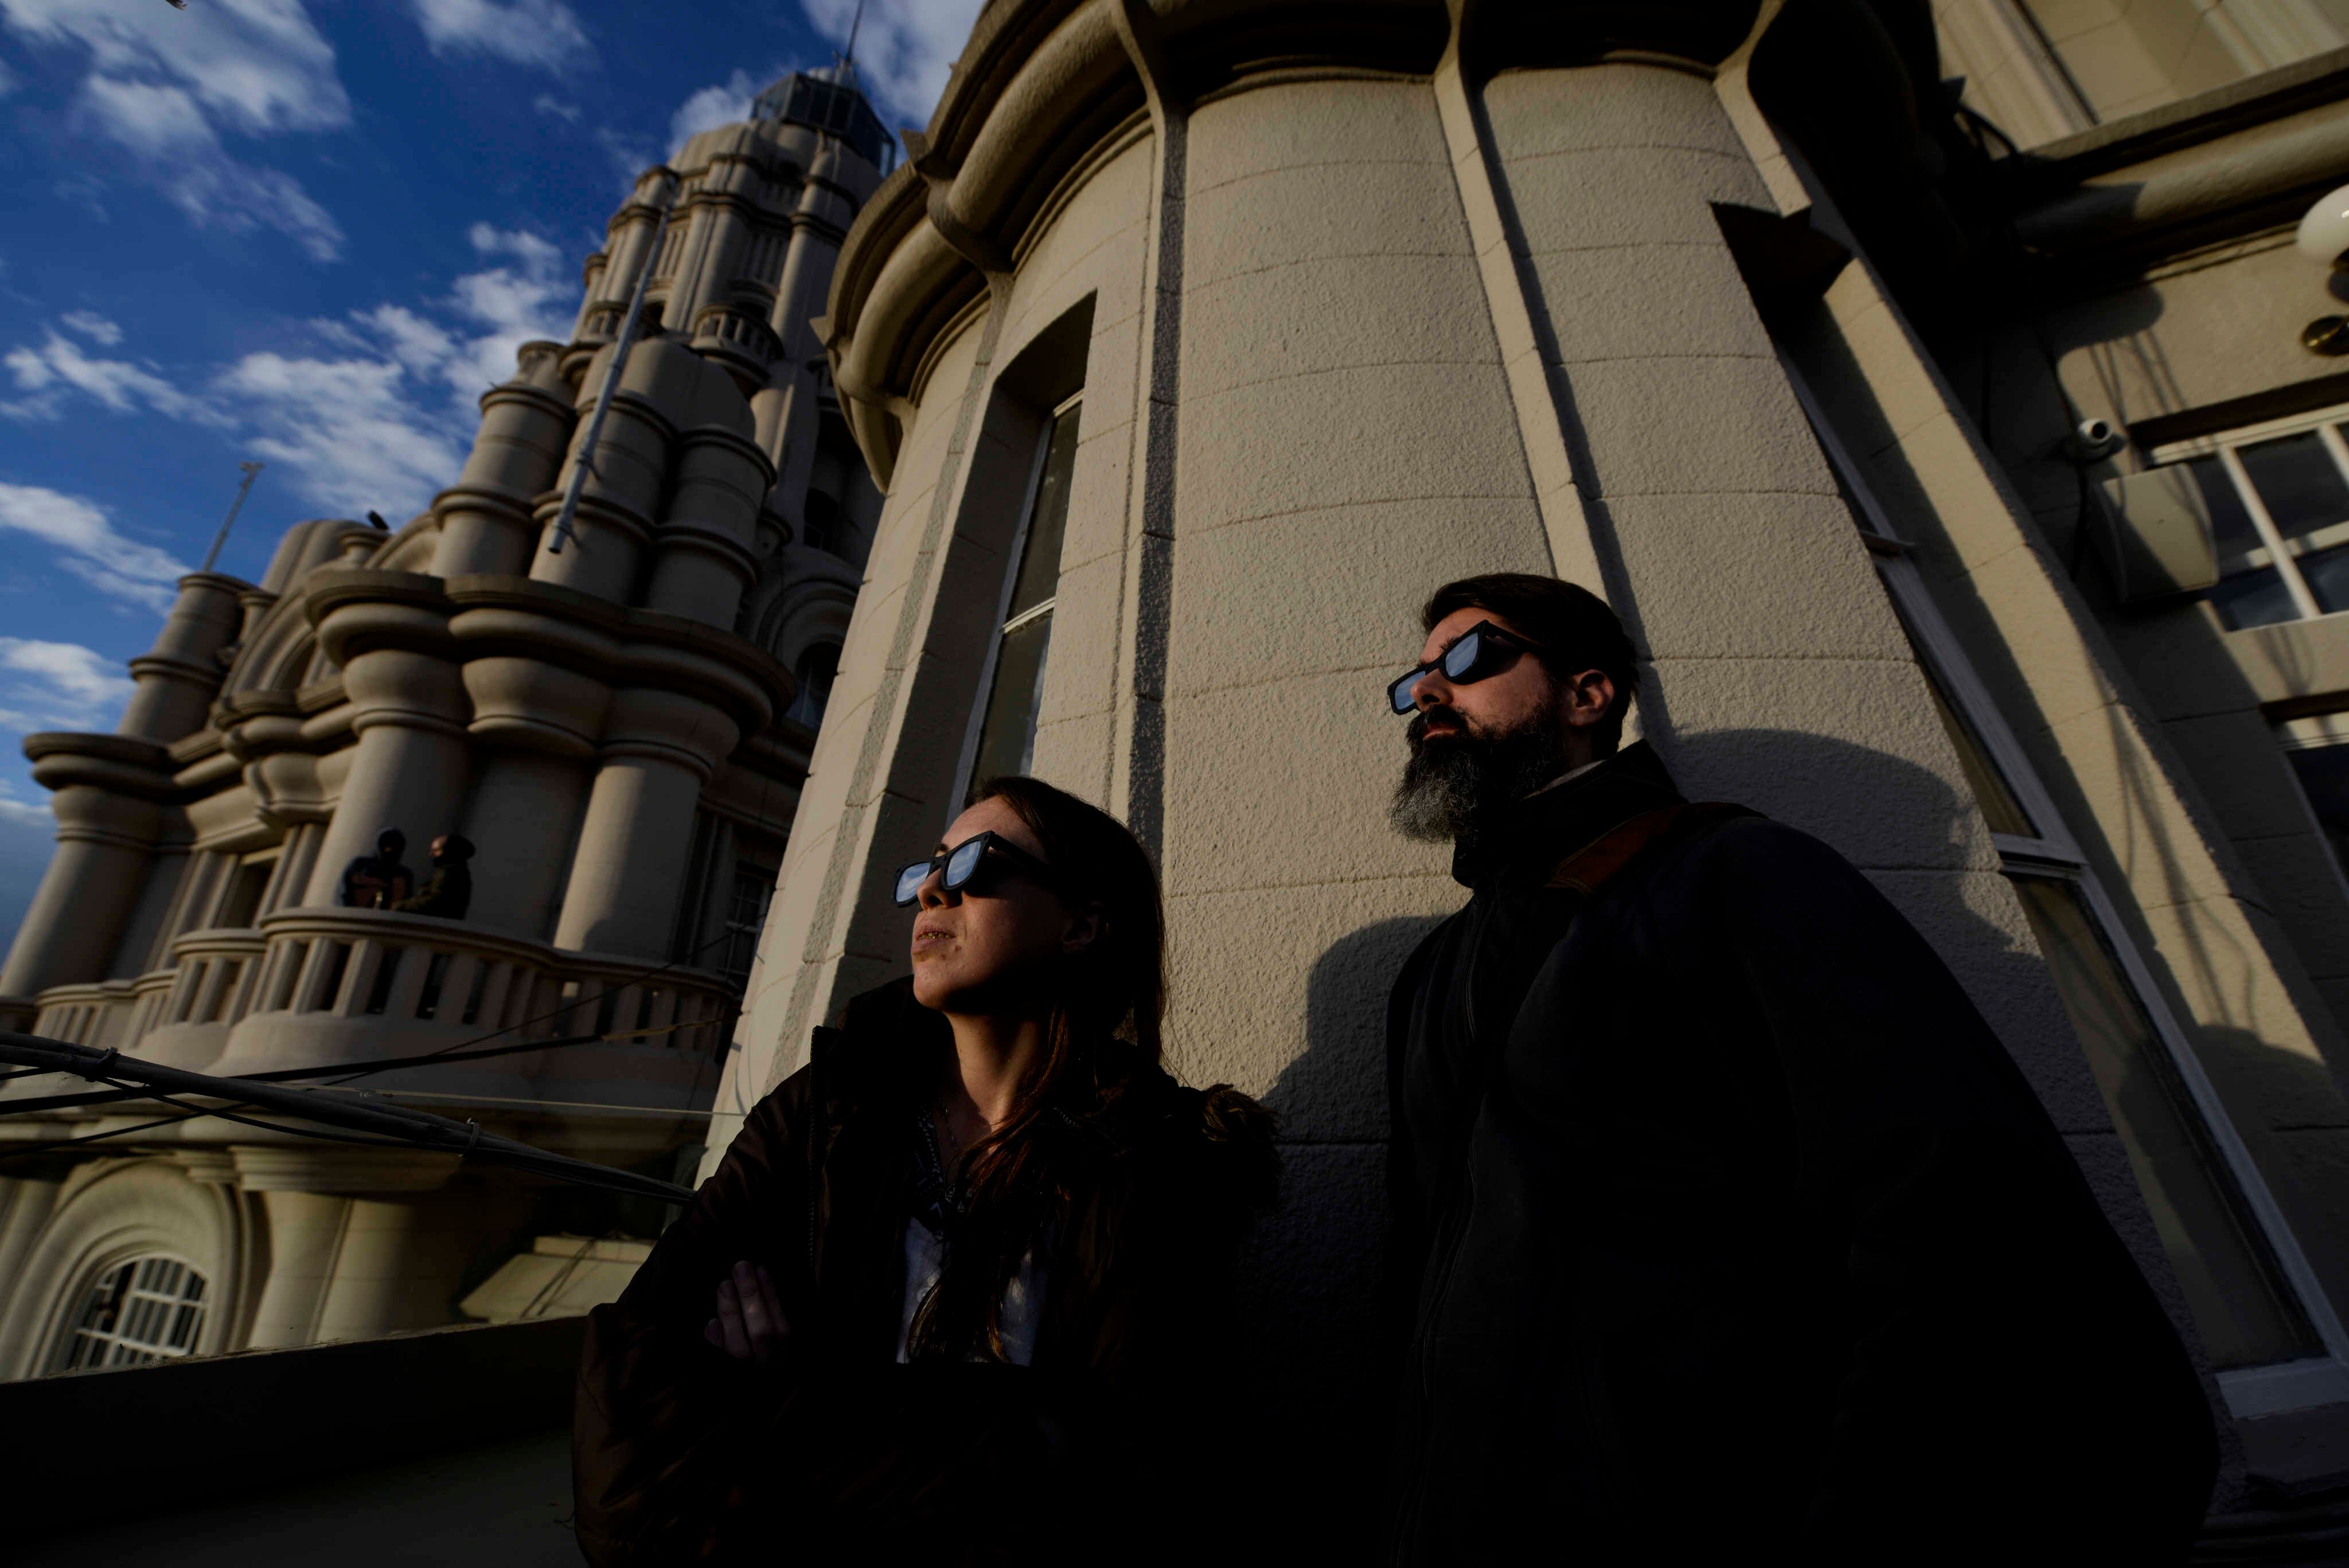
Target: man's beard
(1457, 784)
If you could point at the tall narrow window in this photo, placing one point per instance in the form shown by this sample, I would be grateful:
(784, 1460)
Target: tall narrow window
(818, 668)
(746, 912)
(2258, 1307)
(1006, 727)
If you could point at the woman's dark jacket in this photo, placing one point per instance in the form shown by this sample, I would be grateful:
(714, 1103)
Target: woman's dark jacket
(680, 1453)
(1726, 1231)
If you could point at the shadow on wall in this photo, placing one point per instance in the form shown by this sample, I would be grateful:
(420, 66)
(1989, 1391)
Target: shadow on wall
(1310, 1277)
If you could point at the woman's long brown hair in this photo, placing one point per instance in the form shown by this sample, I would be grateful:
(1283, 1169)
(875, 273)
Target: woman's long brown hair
(1101, 1026)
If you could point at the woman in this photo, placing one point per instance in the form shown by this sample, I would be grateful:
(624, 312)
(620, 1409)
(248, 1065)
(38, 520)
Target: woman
(955, 1286)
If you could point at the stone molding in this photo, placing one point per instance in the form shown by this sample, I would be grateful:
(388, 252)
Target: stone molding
(1041, 83)
(117, 764)
(312, 1168)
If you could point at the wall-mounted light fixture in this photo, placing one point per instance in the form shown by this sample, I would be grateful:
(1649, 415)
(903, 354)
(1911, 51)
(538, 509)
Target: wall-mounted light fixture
(2325, 237)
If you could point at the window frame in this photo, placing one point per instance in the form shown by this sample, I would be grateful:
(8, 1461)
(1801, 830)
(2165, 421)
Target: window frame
(2273, 549)
(2054, 853)
(144, 1353)
(1004, 622)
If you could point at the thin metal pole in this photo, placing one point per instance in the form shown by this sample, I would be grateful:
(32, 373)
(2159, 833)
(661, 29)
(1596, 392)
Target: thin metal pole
(252, 472)
(562, 520)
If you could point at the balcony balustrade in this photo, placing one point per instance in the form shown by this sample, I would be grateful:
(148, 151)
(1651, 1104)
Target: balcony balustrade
(314, 987)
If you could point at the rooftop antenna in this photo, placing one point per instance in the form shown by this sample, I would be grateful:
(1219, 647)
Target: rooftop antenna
(848, 56)
(252, 472)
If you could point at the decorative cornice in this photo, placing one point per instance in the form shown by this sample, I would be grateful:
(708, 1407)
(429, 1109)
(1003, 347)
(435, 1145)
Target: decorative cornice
(1041, 84)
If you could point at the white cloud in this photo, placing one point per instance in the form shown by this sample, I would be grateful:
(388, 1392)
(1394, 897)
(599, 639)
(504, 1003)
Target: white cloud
(386, 421)
(60, 365)
(376, 411)
(710, 108)
(55, 686)
(7, 86)
(257, 64)
(542, 33)
(23, 813)
(164, 85)
(86, 545)
(92, 326)
(547, 103)
(179, 151)
(629, 158)
(349, 429)
(903, 50)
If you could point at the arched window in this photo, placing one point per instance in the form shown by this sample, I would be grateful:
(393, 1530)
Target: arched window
(148, 1309)
(816, 670)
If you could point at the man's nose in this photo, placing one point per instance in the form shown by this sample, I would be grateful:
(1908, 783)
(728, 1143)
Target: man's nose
(1433, 691)
(933, 893)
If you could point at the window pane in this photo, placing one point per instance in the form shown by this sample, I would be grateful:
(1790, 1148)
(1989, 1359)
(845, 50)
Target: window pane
(2231, 528)
(1007, 741)
(2327, 572)
(1992, 794)
(2323, 773)
(2253, 599)
(2297, 479)
(2247, 1316)
(1999, 807)
(1040, 559)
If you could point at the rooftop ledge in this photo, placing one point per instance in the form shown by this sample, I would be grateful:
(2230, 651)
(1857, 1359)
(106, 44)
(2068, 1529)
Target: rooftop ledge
(256, 1424)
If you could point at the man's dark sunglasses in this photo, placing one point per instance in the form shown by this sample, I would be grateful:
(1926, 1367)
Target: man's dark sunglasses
(962, 863)
(1482, 649)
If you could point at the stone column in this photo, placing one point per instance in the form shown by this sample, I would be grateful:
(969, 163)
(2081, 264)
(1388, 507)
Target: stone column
(305, 1233)
(706, 562)
(410, 768)
(354, 1248)
(623, 492)
(487, 518)
(524, 812)
(660, 748)
(178, 677)
(786, 406)
(107, 800)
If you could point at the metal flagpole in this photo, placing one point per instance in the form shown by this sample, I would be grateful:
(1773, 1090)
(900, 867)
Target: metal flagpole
(252, 472)
(626, 340)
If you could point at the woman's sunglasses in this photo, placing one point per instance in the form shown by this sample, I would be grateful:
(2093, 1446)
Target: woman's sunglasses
(1482, 649)
(962, 863)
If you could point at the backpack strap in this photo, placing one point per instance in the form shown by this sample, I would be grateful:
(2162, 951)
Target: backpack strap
(1604, 857)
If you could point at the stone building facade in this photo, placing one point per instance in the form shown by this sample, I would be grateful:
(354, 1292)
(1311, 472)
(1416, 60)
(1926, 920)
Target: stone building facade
(1192, 346)
(1195, 345)
(621, 725)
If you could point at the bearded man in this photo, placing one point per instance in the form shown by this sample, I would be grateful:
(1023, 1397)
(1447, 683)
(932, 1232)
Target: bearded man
(1724, 1228)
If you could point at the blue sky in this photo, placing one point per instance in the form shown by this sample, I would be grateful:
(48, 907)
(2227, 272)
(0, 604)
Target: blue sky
(309, 232)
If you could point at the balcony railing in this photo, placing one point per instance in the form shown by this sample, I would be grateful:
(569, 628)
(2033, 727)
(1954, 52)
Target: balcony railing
(320, 986)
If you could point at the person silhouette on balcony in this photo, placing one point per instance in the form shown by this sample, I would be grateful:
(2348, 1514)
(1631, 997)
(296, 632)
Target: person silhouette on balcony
(449, 888)
(379, 880)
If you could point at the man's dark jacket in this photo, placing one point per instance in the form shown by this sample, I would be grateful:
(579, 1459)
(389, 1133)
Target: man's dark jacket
(1723, 1224)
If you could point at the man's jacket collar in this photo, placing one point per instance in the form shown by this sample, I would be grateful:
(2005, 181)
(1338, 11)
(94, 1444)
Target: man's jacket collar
(1519, 849)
